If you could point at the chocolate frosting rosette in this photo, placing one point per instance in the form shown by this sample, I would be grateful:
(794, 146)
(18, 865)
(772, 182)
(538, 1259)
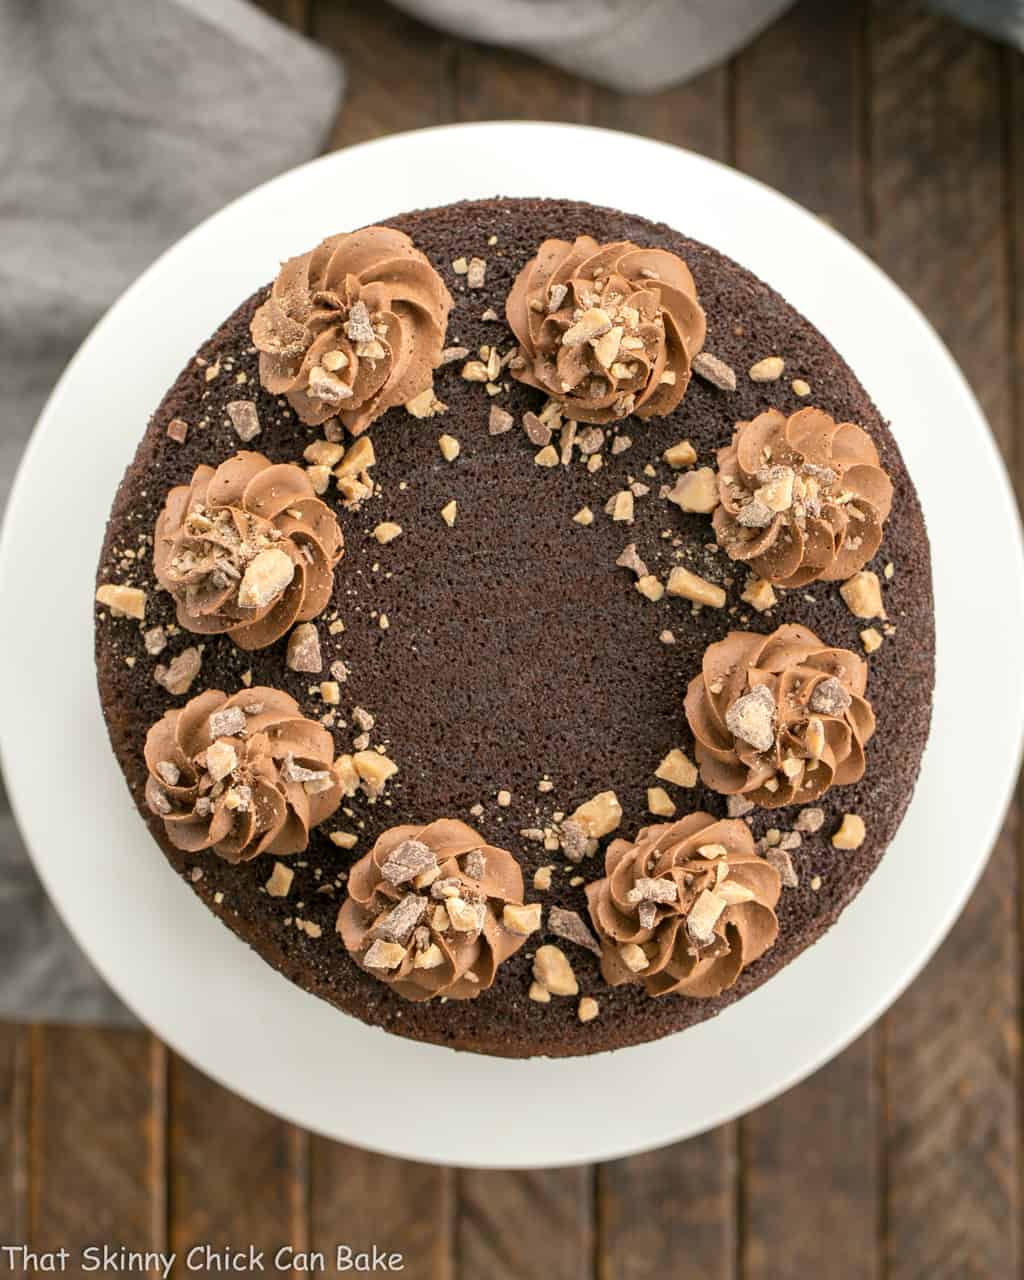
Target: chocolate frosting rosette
(684, 907)
(247, 548)
(242, 776)
(352, 328)
(423, 911)
(609, 330)
(779, 718)
(801, 498)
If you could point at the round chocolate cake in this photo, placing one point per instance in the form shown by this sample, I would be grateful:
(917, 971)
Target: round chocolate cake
(516, 625)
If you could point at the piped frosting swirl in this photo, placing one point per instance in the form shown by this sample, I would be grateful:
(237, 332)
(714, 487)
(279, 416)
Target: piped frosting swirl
(247, 548)
(609, 330)
(423, 911)
(241, 775)
(352, 328)
(684, 907)
(779, 718)
(801, 498)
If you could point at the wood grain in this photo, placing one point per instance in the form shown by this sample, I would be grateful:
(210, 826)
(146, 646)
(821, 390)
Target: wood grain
(398, 71)
(516, 1225)
(97, 1156)
(671, 1212)
(237, 1175)
(799, 96)
(693, 115)
(14, 1132)
(361, 1199)
(953, 1057)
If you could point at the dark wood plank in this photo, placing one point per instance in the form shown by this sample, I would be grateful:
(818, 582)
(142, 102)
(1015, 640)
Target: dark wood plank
(14, 1131)
(952, 1076)
(97, 1123)
(693, 115)
(670, 1212)
(799, 107)
(499, 84)
(408, 88)
(811, 1175)
(237, 1175)
(517, 1225)
(362, 1200)
(811, 1158)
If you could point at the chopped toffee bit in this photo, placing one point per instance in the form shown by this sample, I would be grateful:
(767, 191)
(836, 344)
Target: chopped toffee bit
(800, 388)
(696, 491)
(738, 806)
(682, 454)
(759, 594)
(569, 926)
(598, 816)
(870, 639)
(265, 577)
(546, 457)
(809, 821)
(449, 446)
(681, 582)
(678, 769)
(323, 453)
(244, 419)
(538, 433)
(660, 803)
(155, 641)
(177, 676)
(177, 430)
(862, 595)
(830, 697)
(499, 420)
(752, 718)
(551, 968)
(630, 560)
(123, 602)
(523, 920)
(228, 722)
(783, 864)
(584, 517)
(387, 531)
(374, 770)
(425, 405)
(542, 878)
(711, 369)
(451, 355)
(587, 1009)
(667, 637)
(408, 860)
(590, 441)
(280, 883)
(303, 652)
(650, 587)
(620, 507)
(851, 832)
(767, 370)
(449, 511)
(344, 839)
(476, 271)
(703, 916)
(539, 993)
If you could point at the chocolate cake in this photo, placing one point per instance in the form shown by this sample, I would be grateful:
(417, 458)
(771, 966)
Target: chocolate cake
(468, 650)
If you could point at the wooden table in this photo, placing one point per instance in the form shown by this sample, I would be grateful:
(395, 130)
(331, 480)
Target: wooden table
(901, 1158)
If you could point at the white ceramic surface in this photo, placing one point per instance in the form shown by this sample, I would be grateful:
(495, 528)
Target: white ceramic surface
(216, 1002)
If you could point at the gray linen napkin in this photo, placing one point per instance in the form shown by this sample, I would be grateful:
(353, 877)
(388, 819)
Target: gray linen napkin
(122, 124)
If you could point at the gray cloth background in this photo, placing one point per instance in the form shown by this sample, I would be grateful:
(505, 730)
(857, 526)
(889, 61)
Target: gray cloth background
(123, 123)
